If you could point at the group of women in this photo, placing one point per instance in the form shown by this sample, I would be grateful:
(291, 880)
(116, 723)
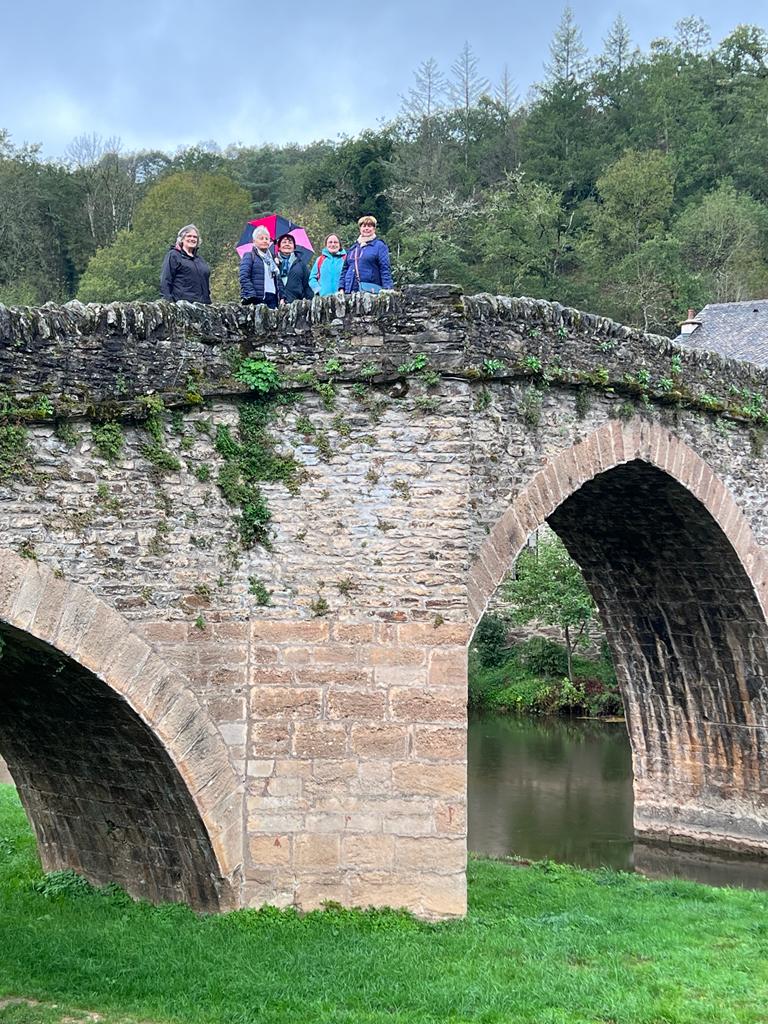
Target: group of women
(271, 276)
(284, 277)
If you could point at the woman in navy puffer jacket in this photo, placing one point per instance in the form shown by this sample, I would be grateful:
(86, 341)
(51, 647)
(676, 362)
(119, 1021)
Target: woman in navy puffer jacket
(366, 268)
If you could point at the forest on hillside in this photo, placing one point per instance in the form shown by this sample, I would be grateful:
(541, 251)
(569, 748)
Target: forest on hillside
(632, 184)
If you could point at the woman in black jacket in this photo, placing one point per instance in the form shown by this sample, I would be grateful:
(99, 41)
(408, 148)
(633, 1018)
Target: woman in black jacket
(294, 272)
(185, 275)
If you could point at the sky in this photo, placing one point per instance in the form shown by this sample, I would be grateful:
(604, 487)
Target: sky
(162, 75)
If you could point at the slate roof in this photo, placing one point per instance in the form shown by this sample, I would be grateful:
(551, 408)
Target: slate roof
(738, 330)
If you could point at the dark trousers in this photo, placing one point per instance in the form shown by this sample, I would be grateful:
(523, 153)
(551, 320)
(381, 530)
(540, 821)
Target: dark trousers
(270, 299)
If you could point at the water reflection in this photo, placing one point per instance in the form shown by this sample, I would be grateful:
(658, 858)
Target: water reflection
(562, 788)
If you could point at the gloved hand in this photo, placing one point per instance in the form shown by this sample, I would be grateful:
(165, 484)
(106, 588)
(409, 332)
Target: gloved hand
(248, 302)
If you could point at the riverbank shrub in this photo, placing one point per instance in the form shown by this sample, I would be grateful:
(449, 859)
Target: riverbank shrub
(530, 678)
(541, 944)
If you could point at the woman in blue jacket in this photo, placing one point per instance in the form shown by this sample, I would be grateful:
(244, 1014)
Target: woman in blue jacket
(325, 277)
(259, 276)
(366, 268)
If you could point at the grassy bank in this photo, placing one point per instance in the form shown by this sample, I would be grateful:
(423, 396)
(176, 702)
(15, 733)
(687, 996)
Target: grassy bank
(531, 678)
(541, 945)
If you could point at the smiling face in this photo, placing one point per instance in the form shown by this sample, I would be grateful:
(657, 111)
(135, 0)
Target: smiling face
(367, 229)
(190, 242)
(261, 241)
(287, 245)
(332, 243)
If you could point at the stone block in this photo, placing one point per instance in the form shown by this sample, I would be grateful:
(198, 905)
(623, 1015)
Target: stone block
(317, 850)
(316, 631)
(426, 853)
(451, 818)
(368, 852)
(378, 741)
(439, 744)
(448, 667)
(286, 702)
(441, 704)
(270, 850)
(319, 740)
(355, 704)
(270, 739)
(419, 778)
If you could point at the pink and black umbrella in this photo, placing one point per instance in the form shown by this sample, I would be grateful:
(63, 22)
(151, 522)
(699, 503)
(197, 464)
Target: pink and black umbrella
(277, 225)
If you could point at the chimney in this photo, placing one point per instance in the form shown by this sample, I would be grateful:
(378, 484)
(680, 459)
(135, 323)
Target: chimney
(689, 326)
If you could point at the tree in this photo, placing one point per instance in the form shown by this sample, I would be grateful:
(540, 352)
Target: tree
(427, 95)
(636, 195)
(723, 239)
(548, 586)
(505, 93)
(559, 134)
(466, 87)
(109, 183)
(353, 178)
(129, 269)
(525, 235)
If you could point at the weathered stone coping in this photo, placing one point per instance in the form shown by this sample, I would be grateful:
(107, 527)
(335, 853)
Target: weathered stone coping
(84, 356)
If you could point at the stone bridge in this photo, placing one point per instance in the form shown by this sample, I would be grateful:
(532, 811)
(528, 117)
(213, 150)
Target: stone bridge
(235, 610)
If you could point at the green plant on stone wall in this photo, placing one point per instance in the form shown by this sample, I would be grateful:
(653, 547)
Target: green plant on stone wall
(530, 406)
(250, 460)
(259, 591)
(65, 432)
(260, 375)
(583, 402)
(414, 365)
(319, 606)
(491, 367)
(108, 440)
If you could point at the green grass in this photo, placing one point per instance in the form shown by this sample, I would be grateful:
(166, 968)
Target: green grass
(541, 945)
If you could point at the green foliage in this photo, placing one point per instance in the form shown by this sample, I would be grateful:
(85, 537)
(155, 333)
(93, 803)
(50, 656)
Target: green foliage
(63, 885)
(129, 268)
(548, 586)
(258, 589)
(532, 678)
(414, 364)
(108, 440)
(319, 606)
(490, 641)
(530, 406)
(162, 460)
(260, 375)
(249, 461)
(14, 452)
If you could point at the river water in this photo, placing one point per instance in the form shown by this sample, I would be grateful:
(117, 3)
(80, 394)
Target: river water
(562, 789)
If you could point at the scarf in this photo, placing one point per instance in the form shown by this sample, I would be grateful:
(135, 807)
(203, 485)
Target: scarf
(268, 261)
(365, 241)
(286, 262)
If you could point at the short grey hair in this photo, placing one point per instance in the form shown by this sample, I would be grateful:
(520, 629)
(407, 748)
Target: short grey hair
(261, 230)
(185, 231)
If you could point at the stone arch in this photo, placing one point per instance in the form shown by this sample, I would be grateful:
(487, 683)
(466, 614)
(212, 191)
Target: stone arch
(681, 584)
(122, 772)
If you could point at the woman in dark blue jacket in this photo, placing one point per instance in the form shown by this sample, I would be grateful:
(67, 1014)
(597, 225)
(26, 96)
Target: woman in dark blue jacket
(259, 276)
(185, 275)
(366, 268)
